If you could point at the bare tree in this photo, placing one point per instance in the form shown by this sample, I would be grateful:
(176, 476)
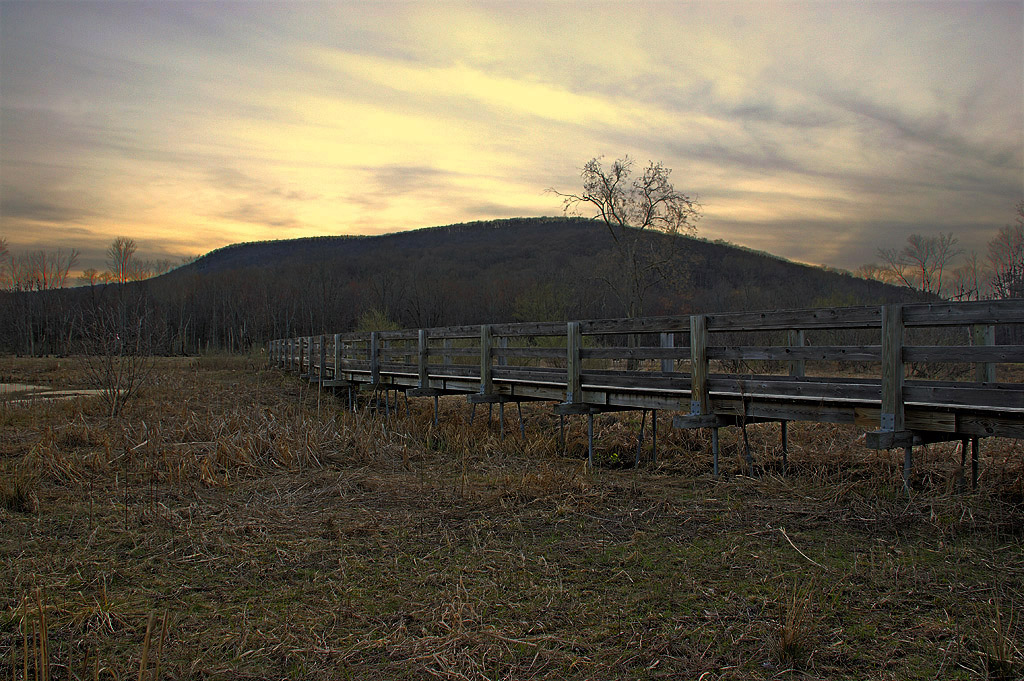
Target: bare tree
(1006, 258)
(117, 349)
(967, 279)
(92, 276)
(121, 259)
(5, 255)
(629, 208)
(24, 274)
(60, 263)
(921, 262)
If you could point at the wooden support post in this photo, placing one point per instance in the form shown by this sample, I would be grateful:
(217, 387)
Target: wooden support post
(448, 345)
(501, 418)
(668, 340)
(424, 358)
(561, 432)
(984, 334)
(700, 399)
(796, 340)
(522, 424)
(302, 357)
(892, 369)
(374, 357)
(573, 344)
(288, 353)
(486, 383)
(337, 357)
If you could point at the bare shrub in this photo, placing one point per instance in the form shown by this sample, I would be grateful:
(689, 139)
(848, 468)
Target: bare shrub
(117, 350)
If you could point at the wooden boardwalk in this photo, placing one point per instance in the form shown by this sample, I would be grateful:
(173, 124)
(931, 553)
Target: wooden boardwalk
(907, 374)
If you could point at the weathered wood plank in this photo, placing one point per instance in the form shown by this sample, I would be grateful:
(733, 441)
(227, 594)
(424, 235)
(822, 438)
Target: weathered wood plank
(574, 363)
(667, 354)
(486, 387)
(542, 353)
(966, 353)
(596, 327)
(826, 353)
(424, 357)
(668, 341)
(892, 368)
(996, 395)
(797, 339)
(375, 357)
(700, 397)
(805, 389)
(964, 313)
(783, 320)
(984, 336)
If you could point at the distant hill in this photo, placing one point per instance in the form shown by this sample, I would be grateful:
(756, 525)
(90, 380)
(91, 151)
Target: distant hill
(567, 253)
(521, 269)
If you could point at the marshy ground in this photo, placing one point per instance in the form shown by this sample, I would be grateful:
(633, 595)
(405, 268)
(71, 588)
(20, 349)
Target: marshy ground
(235, 522)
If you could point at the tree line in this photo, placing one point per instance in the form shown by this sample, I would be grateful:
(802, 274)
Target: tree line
(937, 265)
(521, 269)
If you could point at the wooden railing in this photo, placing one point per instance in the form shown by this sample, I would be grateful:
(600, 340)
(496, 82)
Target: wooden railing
(909, 373)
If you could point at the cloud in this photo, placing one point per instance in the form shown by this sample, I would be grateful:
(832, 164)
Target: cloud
(826, 127)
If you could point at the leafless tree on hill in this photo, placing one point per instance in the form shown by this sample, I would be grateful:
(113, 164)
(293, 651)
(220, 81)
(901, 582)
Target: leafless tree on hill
(1006, 258)
(629, 207)
(121, 259)
(920, 264)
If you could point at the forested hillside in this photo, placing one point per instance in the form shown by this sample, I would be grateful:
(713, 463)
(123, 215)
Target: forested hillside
(507, 270)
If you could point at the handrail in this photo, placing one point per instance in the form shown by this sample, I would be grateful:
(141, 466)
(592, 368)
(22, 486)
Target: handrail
(688, 369)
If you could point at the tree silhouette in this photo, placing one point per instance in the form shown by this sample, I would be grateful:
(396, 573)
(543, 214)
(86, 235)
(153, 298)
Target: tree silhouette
(630, 208)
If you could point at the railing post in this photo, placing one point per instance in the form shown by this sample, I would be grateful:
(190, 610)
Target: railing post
(486, 383)
(503, 345)
(448, 345)
(797, 367)
(424, 357)
(302, 351)
(984, 334)
(892, 368)
(374, 358)
(337, 357)
(668, 340)
(700, 398)
(573, 382)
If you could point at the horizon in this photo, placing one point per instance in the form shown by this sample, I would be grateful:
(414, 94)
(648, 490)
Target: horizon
(193, 126)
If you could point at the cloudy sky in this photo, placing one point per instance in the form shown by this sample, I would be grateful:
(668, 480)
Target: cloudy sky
(819, 131)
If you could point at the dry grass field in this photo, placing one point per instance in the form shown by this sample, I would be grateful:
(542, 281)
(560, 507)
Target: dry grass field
(234, 522)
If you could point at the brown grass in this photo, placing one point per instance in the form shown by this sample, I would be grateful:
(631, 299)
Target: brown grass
(285, 538)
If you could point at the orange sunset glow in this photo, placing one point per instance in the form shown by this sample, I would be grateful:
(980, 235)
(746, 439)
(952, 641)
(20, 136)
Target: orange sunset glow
(819, 131)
